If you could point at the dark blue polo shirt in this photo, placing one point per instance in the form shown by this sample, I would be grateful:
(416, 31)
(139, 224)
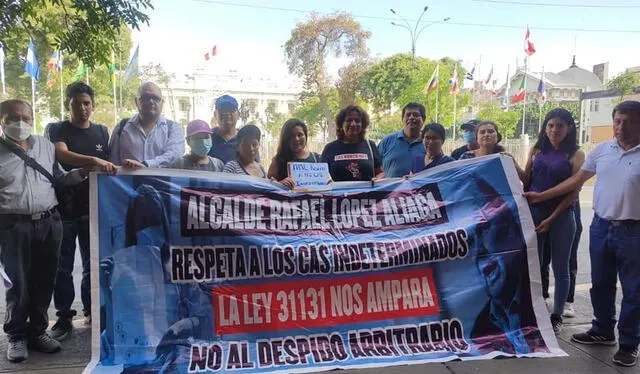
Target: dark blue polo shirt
(398, 154)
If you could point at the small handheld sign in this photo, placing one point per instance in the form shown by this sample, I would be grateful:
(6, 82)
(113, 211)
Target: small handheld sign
(309, 177)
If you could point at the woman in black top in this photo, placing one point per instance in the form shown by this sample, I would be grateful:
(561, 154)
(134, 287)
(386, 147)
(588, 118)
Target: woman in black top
(292, 148)
(352, 157)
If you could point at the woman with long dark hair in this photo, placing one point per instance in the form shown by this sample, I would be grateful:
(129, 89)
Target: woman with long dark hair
(291, 148)
(352, 157)
(554, 158)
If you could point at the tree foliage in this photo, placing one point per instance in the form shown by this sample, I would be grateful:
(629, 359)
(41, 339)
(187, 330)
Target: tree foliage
(398, 80)
(274, 121)
(314, 40)
(350, 82)
(50, 85)
(625, 83)
(87, 28)
(507, 121)
(311, 112)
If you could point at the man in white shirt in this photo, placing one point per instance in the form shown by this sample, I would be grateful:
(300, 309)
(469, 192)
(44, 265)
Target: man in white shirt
(614, 243)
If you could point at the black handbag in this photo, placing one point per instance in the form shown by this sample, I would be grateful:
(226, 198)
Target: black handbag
(64, 195)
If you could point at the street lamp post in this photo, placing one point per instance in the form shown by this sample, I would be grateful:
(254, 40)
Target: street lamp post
(414, 32)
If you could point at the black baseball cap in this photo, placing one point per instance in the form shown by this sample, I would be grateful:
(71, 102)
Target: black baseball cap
(470, 125)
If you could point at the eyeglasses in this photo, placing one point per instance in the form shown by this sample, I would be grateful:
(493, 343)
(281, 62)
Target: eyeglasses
(153, 98)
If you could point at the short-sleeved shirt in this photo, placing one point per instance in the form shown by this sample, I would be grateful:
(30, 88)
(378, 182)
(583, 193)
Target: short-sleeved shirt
(234, 167)
(617, 180)
(418, 162)
(221, 148)
(352, 161)
(398, 154)
(283, 171)
(188, 162)
(458, 152)
(92, 141)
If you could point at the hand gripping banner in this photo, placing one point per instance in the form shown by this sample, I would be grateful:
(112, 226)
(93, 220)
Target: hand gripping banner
(201, 272)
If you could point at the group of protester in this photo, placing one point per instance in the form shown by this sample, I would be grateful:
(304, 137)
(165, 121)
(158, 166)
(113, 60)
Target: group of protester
(39, 224)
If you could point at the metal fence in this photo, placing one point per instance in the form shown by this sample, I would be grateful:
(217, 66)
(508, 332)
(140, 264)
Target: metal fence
(516, 147)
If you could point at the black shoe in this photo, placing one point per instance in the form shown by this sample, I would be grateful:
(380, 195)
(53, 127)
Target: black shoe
(591, 338)
(626, 356)
(62, 329)
(556, 323)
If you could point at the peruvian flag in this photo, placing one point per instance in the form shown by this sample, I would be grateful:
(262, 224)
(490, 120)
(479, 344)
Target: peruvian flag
(209, 55)
(529, 48)
(454, 82)
(521, 92)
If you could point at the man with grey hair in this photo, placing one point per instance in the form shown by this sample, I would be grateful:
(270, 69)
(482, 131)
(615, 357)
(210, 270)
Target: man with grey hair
(30, 228)
(147, 139)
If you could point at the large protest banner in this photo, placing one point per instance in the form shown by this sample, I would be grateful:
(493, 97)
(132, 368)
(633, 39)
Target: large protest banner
(206, 272)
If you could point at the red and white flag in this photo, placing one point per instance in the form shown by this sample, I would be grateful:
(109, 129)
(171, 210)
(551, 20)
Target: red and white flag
(209, 55)
(529, 48)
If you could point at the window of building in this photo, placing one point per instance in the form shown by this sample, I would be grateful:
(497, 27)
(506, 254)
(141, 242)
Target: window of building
(184, 104)
(596, 105)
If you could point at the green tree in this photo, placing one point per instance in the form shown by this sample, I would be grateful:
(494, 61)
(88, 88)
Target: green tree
(274, 120)
(52, 84)
(535, 115)
(398, 80)
(507, 121)
(350, 82)
(309, 46)
(311, 111)
(625, 83)
(87, 28)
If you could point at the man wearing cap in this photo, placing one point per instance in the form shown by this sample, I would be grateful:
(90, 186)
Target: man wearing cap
(199, 140)
(469, 137)
(399, 149)
(147, 139)
(224, 141)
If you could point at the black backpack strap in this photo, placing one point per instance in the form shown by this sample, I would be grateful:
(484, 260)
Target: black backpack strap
(29, 160)
(120, 127)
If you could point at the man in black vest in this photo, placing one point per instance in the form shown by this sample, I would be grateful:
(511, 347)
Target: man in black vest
(78, 142)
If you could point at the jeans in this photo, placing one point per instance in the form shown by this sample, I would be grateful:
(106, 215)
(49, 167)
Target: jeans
(573, 260)
(29, 256)
(560, 238)
(64, 292)
(615, 251)
(545, 259)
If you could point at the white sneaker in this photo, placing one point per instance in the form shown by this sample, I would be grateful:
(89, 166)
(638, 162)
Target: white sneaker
(569, 311)
(549, 304)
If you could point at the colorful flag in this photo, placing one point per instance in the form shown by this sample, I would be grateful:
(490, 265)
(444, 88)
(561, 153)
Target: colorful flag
(470, 74)
(433, 82)
(31, 64)
(454, 82)
(213, 53)
(542, 90)
(54, 64)
(505, 99)
(132, 68)
(521, 92)
(529, 48)
(486, 81)
(4, 85)
(80, 71)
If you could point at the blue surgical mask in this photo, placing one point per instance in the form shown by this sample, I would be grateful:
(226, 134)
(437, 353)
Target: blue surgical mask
(200, 147)
(469, 137)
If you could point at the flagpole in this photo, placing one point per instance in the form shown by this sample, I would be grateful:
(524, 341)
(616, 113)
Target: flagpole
(455, 104)
(542, 100)
(33, 102)
(524, 102)
(437, 95)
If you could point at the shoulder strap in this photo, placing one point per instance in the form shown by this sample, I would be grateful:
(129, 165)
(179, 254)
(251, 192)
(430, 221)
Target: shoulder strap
(373, 161)
(28, 160)
(121, 126)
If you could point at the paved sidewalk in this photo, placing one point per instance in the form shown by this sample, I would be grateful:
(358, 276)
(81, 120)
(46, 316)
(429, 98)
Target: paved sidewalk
(582, 359)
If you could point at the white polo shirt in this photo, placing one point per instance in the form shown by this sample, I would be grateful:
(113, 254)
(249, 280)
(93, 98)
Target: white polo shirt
(617, 192)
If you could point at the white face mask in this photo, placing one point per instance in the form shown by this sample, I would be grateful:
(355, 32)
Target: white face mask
(18, 131)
